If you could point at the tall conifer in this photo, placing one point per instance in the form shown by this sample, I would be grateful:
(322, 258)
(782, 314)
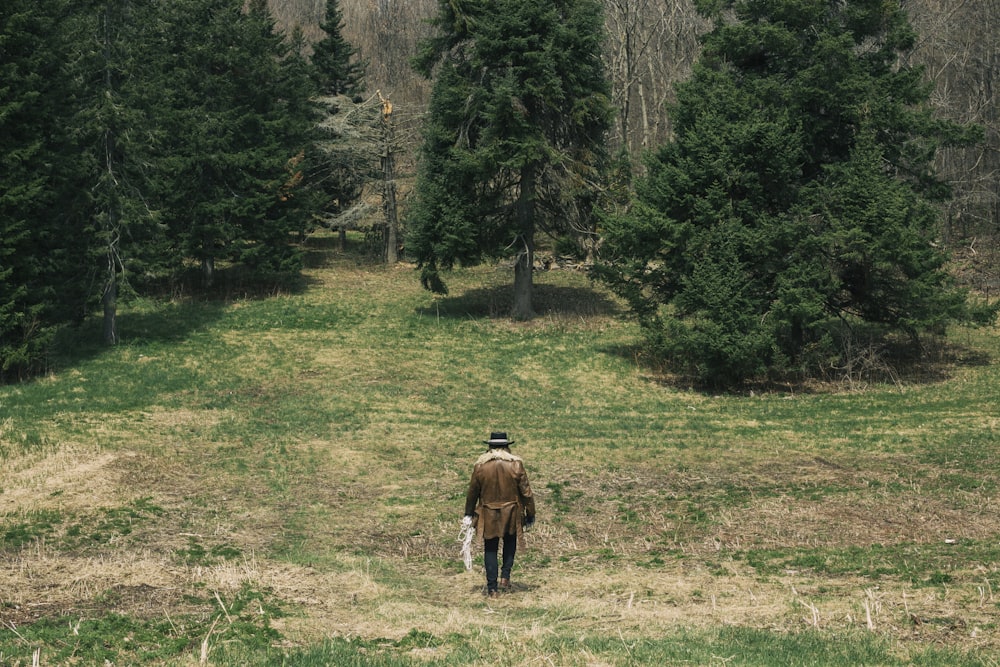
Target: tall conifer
(238, 120)
(117, 120)
(42, 199)
(337, 68)
(515, 135)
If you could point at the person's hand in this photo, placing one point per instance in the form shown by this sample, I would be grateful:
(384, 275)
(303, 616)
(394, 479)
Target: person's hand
(467, 521)
(529, 521)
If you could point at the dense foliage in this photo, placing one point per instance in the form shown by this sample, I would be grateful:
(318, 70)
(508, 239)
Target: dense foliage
(139, 140)
(791, 216)
(514, 138)
(42, 193)
(238, 117)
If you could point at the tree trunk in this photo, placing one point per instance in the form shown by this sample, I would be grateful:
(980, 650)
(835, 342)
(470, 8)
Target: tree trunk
(525, 258)
(111, 180)
(391, 254)
(522, 283)
(208, 270)
(110, 302)
(391, 224)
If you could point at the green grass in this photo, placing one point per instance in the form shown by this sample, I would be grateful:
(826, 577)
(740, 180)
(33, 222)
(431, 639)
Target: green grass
(280, 481)
(34, 526)
(926, 565)
(733, 646)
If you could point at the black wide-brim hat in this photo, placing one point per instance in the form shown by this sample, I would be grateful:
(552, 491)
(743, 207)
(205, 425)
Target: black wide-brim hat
(498, 439)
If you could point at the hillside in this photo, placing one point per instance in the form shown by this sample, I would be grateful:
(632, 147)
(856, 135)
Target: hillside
(280, 481)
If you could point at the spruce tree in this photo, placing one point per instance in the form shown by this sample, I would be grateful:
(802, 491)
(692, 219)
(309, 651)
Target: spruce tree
(42, 201)
(515, 133)
(337, 69)
(117, 121)
(791, 214)
(287, 118)
(25, 68)
(237, 123)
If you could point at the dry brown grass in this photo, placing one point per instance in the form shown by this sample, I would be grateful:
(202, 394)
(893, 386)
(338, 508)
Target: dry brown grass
(398, 585)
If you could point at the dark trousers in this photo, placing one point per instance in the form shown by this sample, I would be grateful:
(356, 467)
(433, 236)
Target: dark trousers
(490, 548)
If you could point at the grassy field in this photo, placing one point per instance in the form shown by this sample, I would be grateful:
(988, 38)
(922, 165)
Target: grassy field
(280, 481)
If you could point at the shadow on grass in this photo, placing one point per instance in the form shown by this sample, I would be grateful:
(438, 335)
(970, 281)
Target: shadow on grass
(497, 302)
(229, 283)
(517, 586)
(319, 252)
(168, 322)
(897, 365)
(327, 249)
(175, 307)
(180, 303)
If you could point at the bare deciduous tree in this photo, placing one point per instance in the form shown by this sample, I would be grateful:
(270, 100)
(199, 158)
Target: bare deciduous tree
(651, 46)
(958, 46)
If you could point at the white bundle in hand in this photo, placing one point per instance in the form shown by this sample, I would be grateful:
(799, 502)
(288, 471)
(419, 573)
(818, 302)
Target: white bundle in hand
(465, 537)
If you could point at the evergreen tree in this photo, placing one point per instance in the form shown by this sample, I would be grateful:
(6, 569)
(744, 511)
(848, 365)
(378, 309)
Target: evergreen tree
(117, 124)
(340, 158)
(792, 209)
(238, 121)
(288, 127)
(118, 116)
(23, 69)
(515, 133)
(41, 228)
(336, 68)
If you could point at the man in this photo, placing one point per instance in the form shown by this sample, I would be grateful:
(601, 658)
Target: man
(499, 489)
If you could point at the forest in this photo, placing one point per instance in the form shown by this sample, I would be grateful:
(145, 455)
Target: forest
(651, 46)
(165, 149)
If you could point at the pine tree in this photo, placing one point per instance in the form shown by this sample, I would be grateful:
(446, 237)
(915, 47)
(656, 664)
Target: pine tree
(117, 122)
(130, 126)
(41, 226)
(337, 69)
(287, 128)
(23, 68)
(238, 121)
(792, 210)
(515, 133)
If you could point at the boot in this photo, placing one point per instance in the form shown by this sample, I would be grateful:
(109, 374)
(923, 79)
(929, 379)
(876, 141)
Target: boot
(505, 584)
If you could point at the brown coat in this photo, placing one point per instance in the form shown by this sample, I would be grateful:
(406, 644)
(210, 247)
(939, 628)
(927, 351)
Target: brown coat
(499, 489)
